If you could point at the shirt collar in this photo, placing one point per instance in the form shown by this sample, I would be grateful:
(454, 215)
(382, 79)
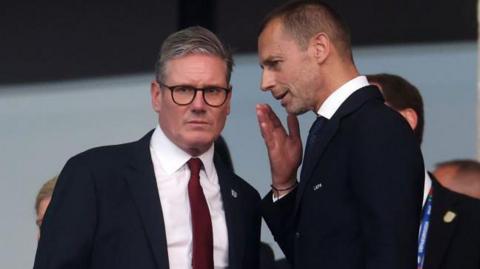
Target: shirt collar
(427, 185)
(335, 100)
(171, 158)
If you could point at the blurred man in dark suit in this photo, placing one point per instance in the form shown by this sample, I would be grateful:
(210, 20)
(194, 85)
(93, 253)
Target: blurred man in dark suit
(449, 236)
(359, 198)
(164, 201)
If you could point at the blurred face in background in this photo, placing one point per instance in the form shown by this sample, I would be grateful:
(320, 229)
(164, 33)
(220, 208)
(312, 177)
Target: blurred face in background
(464, 183)
(41, 209)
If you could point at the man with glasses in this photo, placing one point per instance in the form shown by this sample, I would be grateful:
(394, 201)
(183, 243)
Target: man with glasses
(163, 201)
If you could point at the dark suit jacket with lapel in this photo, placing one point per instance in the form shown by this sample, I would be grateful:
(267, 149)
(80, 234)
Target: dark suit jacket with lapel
(359, 198)
(106, 213)
(453, 244)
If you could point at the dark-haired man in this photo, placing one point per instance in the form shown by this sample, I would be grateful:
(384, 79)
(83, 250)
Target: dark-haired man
(449, 237)
(163, 201)
(359, 198)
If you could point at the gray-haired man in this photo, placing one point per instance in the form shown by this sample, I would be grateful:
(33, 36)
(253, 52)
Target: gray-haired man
(163, 201)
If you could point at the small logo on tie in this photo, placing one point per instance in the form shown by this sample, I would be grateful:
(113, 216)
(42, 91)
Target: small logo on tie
(234, 194)
(318, 186)
(449, 216)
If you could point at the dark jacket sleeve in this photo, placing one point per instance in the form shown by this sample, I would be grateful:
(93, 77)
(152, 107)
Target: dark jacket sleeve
(279, 219)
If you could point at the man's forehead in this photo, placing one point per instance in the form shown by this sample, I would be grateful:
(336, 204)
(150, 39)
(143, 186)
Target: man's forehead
(271, 41)
(272, 30)
(196, 68)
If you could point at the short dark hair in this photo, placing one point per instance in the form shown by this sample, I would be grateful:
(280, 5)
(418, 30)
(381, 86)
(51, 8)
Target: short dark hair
(401, 94)
(305, 19)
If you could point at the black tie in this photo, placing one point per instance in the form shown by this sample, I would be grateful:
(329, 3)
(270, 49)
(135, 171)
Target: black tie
(314, 132)
(313, 136)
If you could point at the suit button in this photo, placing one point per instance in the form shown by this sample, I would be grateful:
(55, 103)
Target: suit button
(297, 235)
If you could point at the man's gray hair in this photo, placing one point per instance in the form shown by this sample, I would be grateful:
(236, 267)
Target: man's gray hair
(192, 40)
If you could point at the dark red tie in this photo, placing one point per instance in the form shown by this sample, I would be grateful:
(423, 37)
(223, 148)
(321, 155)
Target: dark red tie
(202, 257)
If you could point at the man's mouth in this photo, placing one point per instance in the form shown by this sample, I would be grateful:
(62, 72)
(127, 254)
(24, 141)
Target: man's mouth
(280, 96)
(197, 122)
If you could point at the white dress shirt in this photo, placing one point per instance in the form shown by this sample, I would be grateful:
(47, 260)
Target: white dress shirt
(336, 99)
(427, 185)
(172, 175)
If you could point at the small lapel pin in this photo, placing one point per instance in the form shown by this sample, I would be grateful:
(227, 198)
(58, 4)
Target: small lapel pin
(449, 216)
(318, 186)
(234, 194)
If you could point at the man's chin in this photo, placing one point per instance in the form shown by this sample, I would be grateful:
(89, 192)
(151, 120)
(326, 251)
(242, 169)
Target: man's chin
(295, 110)
(199, 143)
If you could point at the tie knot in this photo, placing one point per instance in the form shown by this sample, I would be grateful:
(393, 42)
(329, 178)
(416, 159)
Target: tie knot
(194, 164)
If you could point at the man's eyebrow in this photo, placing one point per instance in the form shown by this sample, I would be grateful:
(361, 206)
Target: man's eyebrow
(214, 85)
(270, 61)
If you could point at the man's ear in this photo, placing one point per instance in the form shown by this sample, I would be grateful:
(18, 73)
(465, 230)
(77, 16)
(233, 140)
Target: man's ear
(320, 46)
(156, 95)
(411, 116)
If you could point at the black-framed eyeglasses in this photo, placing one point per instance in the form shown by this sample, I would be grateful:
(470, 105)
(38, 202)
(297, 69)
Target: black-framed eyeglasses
(183, 95)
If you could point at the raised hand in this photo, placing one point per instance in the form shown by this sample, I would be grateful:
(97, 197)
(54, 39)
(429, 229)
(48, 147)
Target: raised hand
(284, 149)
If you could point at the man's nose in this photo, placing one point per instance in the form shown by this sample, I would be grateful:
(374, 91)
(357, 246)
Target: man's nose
(268, 81)
(198, 102)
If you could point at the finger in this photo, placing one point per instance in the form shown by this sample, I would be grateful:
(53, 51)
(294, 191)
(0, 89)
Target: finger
(262, 117)
(272, 116)
(293, 126)
(265, 126)
(266, 115)
(275, 125)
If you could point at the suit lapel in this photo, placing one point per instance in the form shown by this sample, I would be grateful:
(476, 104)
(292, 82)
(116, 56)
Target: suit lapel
(351, 104)
(140, 177)
(441, 229)
(316, 153)
(232, 205)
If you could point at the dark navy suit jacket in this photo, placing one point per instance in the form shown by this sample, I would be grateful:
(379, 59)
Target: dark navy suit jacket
(359, 198)
(105, 213)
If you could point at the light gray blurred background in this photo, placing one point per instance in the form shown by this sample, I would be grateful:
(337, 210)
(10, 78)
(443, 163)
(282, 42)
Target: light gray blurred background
(42, 125)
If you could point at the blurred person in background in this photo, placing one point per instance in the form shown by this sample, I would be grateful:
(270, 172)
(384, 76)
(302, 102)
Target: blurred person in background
(43, 200)
(462, 176)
